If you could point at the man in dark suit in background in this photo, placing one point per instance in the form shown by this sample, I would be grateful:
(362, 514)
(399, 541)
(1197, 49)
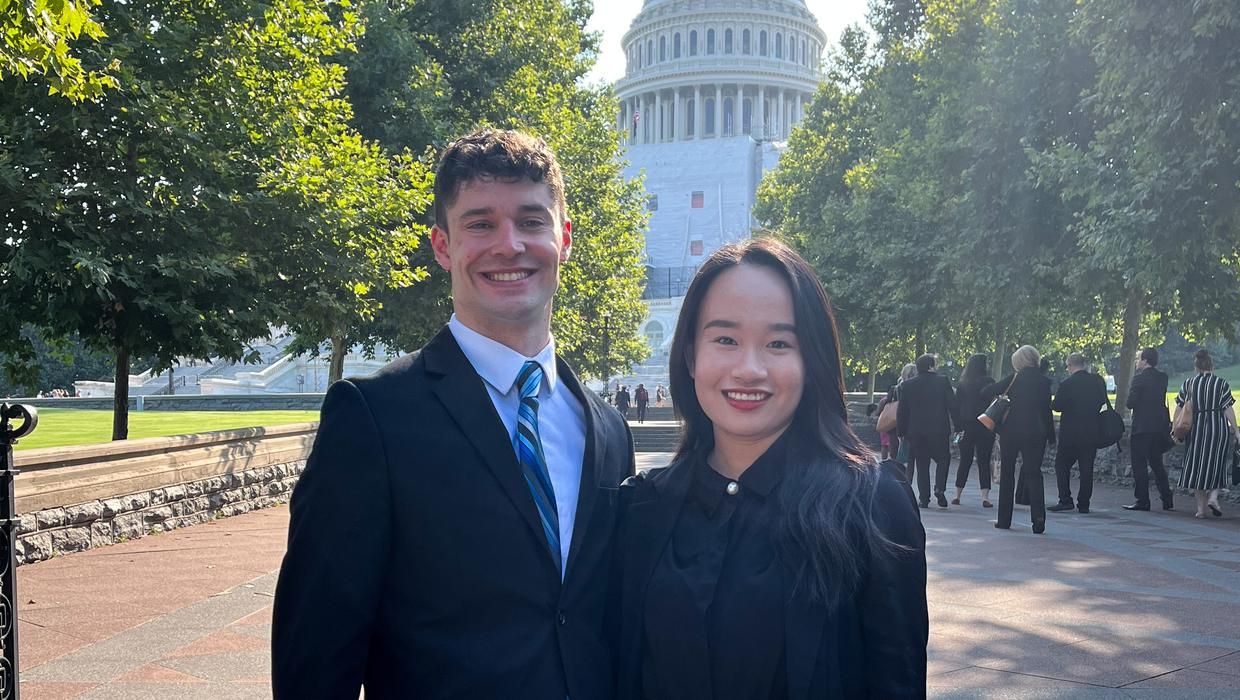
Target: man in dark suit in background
(1080, 398)
(924, 417)
(1151, 428)
(451, 535)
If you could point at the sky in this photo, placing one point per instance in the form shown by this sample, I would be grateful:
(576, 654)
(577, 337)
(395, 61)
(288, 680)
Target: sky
(613, 17)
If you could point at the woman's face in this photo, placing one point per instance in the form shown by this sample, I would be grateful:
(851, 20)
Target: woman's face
(747, 369)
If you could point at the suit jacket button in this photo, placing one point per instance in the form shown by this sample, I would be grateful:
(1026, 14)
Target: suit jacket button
(562, 619)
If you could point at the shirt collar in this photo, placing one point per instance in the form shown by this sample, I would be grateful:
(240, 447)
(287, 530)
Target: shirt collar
(498, 364)
(760, 479)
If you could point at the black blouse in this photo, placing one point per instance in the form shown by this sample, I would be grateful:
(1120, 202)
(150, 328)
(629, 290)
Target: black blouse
(714, 616)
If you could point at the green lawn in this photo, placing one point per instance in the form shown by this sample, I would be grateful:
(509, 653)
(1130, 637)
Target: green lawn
(59, 427)
(1231, 374)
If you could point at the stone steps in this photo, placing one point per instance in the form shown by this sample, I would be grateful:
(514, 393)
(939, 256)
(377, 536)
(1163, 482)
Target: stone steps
(662, 436)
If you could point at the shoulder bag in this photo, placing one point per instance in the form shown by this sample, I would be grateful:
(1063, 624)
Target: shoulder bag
(1110, 426)
(994, 414)
(1183, 423)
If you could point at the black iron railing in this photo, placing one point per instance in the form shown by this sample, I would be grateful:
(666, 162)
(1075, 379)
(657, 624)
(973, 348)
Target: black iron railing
(16, 422)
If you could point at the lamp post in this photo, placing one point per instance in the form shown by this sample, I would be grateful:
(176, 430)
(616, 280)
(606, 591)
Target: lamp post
(9, 435)
(606, 354)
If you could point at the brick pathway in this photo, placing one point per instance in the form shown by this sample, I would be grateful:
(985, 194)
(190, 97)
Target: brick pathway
(1107, 605)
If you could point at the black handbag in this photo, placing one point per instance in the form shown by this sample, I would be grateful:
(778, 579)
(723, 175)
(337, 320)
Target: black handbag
(994, 414)
(1110, 426)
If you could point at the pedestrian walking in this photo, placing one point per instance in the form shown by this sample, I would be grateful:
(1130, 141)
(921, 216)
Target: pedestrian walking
(976, 442)
(1079, 399)
(1208, 449)
(623, 400)
(1024, 434)
(641, 397)
(927, 406)
(1151, 428)
(660, 395)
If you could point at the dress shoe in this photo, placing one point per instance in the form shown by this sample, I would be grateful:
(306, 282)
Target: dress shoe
(987, 504)
(1083, 510)
(1001, 526)
(1039, 526)
(1140, 506)
(925, 504)
(955, 501)
(941, 499)
(1060, 507)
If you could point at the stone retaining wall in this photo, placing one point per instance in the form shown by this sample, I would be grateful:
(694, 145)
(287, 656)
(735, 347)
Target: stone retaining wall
(72, 499)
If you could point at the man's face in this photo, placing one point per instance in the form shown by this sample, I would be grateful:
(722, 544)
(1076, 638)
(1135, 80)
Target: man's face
(503, 248)
(1141, 363)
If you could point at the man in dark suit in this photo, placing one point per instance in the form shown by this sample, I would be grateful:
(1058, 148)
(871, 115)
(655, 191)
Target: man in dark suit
(924, 417)
(452, 533)
(1080, 398)
(1151, 427)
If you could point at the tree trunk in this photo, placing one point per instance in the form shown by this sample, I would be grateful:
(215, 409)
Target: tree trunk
(996, 368)
(919, 343)
(120, 396)
(1133, 313)
(873, 377)
(340, 348)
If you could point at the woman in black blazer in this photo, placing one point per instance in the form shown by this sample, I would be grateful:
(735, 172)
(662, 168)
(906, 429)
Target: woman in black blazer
(976, 440)
(775, 557)
(1024, 433)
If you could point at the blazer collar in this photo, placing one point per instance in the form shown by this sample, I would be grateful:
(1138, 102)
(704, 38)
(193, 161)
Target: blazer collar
(591, 463)
(461, 391)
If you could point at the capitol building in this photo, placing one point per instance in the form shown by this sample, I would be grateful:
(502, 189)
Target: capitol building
(711, 90)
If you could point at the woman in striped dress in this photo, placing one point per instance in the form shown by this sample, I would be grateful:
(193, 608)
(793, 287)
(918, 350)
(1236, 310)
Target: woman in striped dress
(1207, 452)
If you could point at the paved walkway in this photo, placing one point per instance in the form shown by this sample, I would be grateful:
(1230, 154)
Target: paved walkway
(1107, 605)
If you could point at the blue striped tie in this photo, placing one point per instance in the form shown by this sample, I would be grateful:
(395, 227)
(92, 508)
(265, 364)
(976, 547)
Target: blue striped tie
(530, 454)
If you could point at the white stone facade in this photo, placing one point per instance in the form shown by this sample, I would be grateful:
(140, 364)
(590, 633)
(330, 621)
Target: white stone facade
(711, 91)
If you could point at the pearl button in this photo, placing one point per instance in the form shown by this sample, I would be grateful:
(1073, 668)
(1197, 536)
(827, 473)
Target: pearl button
(733, 488)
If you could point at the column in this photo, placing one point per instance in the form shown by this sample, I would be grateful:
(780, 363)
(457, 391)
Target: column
(678, 115)
(781, 120)
(699, 114)
(799, 115)
(647, 119)
(759, 114)
(658, 117)
(736, 110)
(718, 110)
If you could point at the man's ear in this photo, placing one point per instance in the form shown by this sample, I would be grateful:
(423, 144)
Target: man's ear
(566, 241)
(439, 244)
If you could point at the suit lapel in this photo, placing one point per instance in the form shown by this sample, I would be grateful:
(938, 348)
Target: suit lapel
(803, 626)
(651, 522)
(464, 396)
(591, 463)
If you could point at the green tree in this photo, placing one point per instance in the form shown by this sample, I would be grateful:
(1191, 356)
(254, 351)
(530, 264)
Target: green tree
(35, 37)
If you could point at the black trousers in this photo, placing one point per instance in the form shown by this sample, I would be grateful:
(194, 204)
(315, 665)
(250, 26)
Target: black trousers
(1146, 451)
(1082, 456)
(1030, 451)
(641, 413)
(922, 449)
(979, 444)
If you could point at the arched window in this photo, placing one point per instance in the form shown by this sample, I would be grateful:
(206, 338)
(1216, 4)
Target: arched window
(728, 110)
(690, 117)
(792, 48)
(779, 44)
(745, 47)
(746, 116)
(710, 116)
(804, 54)
(655, 334)
(662, 49)
(727, 41)
(676, 45)
(710, 42)
(693, 43)
(649, 51)
(762, 43)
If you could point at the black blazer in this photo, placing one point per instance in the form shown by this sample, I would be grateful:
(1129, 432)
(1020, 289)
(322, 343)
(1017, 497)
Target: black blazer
(416, 562)
(1079, 399)
(1029, 416)
(927, 406)
(1148, 400)
(971, 403)
(872, 645)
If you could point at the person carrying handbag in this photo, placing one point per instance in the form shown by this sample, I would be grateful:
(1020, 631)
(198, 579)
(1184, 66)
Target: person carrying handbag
(1024, 433)
(1206, 400)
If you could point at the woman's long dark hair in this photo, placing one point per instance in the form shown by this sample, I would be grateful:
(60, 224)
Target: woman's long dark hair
(833, 477)
(974, 369)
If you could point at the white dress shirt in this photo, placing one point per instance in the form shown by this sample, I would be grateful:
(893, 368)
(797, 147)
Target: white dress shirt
(561, 417)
